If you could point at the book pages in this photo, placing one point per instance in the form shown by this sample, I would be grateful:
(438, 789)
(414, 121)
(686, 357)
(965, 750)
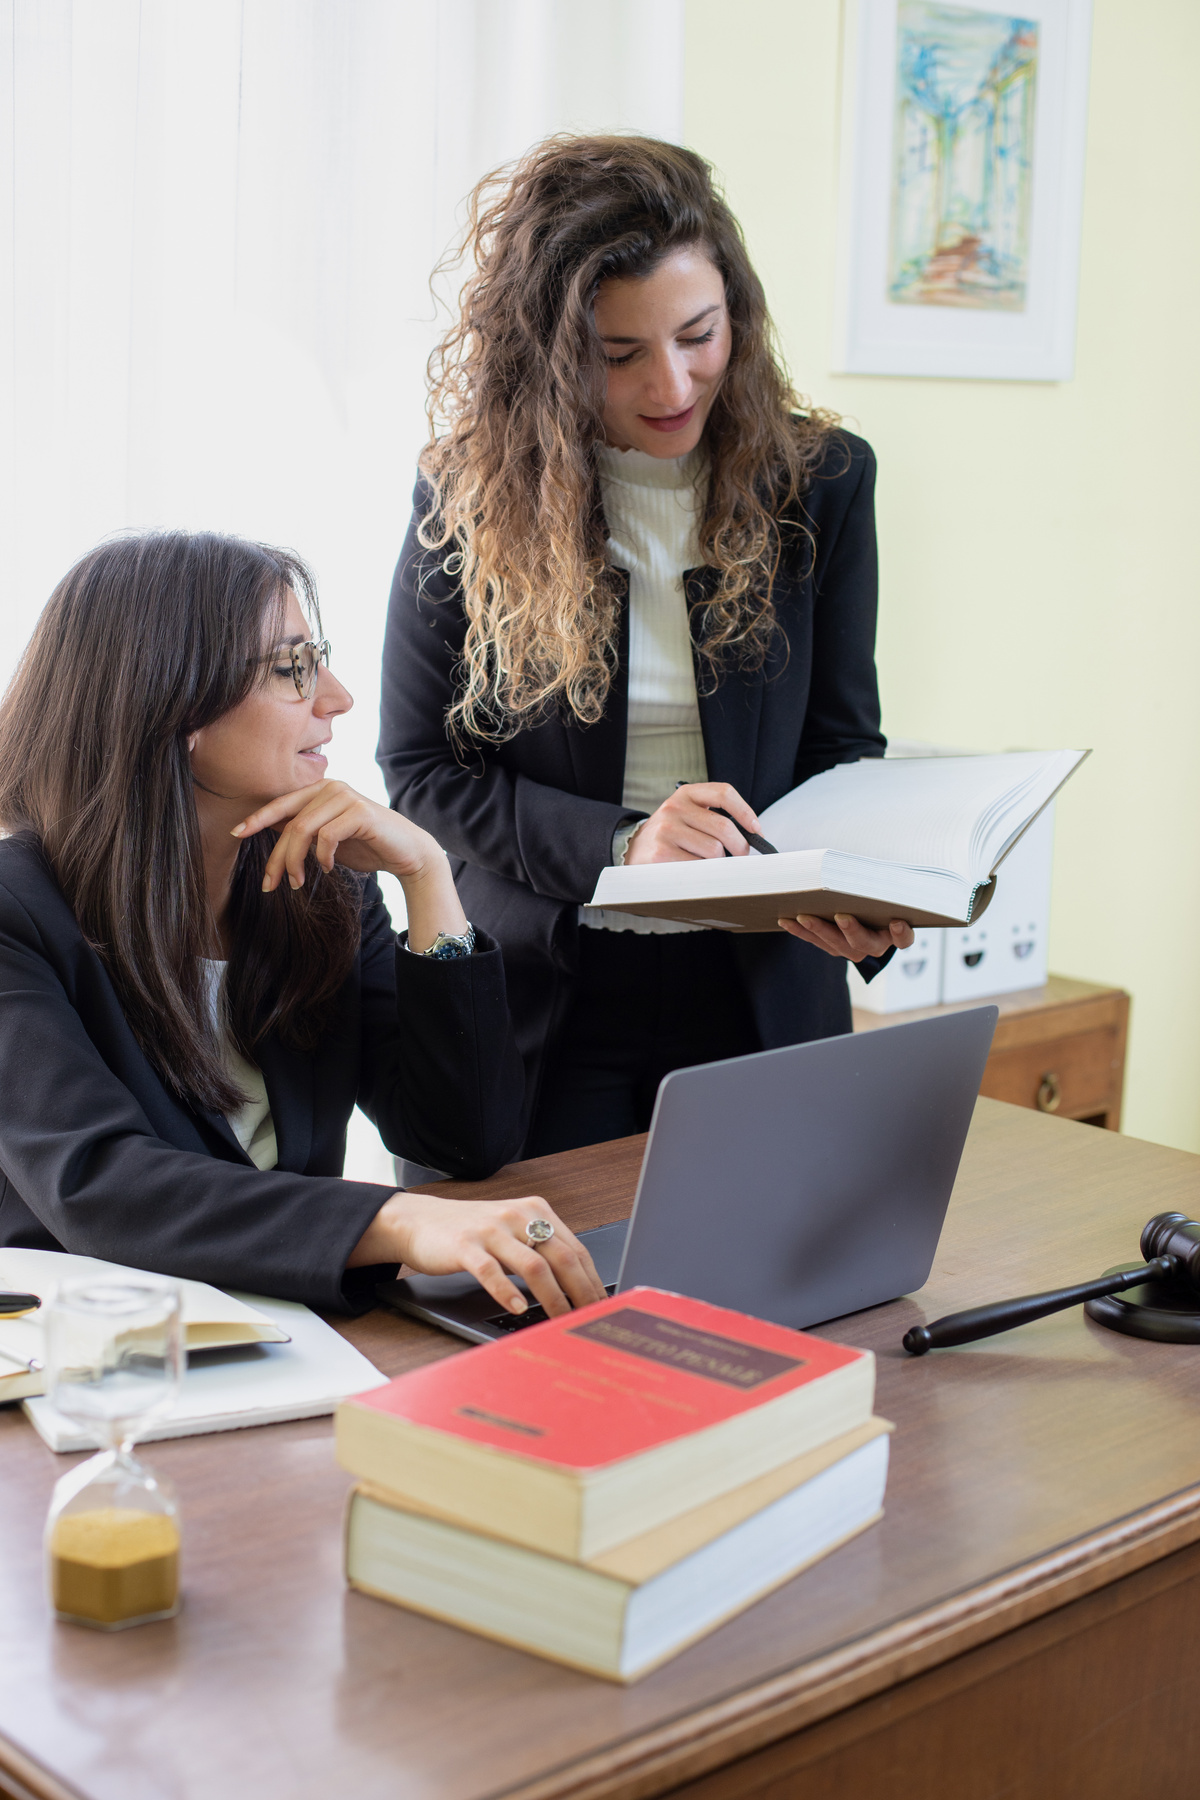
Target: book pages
(956, 814)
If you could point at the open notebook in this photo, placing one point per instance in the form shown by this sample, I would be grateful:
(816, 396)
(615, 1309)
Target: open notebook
(916, 838)
(251, 1360)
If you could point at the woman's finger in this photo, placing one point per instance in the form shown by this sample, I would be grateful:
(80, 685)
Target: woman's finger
(288, 857)
(798, 929)
(820, 932)
(694, 842)
(714, 825)
(291, 847)
(299, 840)
(305, 812)
(322, 826)
(490, 1275)
(574, 1270)
(286, 807)
(281, 860)
(721, 793)
(567, 1270)
(846, 937)
(328, 839)
(861, 940)
(523, 1260)
(573, 1267)
(686, 840)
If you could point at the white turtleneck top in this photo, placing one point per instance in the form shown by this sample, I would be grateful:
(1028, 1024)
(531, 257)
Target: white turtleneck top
(252, 1124)
(651, 505)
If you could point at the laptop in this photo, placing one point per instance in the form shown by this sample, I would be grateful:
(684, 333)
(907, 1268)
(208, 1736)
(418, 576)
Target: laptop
(796, 1185)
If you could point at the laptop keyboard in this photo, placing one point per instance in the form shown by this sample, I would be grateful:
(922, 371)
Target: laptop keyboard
(536, 1315)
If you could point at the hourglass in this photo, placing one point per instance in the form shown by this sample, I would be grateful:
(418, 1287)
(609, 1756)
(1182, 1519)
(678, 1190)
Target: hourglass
(114, 1360)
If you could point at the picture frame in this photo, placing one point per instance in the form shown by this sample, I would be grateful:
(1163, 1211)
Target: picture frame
(964, 128)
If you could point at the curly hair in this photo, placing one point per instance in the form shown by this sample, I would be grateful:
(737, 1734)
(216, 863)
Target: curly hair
(517, 393)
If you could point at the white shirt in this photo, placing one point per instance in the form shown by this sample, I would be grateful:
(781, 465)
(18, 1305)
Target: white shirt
(252, 1124)
(652, 508)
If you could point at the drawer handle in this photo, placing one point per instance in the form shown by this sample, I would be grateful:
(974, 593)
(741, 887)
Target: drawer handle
(1049, 1094)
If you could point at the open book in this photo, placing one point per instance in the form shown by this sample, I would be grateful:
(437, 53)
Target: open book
(211, 1320)
(274, 1359)
(916, 838)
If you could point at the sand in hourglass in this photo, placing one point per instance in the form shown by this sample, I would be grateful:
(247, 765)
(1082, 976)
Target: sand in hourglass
(114, 1566)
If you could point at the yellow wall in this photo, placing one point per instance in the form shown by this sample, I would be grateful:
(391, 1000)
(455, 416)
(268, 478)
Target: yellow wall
(1039, 581)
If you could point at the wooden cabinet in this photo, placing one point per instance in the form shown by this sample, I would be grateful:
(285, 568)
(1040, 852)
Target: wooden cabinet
(1058, 1048)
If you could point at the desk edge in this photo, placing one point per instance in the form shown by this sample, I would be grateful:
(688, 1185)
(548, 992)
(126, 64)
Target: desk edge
(27, 1779)
(697, 1742)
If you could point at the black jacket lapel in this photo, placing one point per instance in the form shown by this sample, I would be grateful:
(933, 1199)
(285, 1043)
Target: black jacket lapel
(729, 708)
(219, 1128)
(290, 1076)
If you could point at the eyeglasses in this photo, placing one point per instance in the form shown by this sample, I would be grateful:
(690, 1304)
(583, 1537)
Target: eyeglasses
(305, 660)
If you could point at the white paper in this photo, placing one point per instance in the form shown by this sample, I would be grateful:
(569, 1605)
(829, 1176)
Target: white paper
(258, 1384)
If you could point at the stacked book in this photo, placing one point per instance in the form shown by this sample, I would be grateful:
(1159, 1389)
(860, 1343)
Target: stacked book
(607, 1487)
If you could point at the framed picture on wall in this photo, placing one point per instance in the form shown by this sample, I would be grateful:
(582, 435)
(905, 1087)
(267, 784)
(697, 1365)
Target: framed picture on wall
(961, 187)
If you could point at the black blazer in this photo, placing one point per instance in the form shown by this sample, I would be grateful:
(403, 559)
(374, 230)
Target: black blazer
(529, 825)
(98, 1157)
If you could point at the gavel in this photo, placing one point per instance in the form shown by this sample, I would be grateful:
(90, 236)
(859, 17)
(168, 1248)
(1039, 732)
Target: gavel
(1170, 1244)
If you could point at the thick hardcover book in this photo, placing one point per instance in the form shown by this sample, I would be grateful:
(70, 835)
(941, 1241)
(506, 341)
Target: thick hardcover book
(622, 1613)
(915, 838)
(577, 1434)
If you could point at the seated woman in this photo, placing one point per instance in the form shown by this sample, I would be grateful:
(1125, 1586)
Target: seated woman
(198, 975)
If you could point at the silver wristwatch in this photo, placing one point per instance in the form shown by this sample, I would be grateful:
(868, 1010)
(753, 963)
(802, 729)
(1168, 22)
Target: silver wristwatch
(446, 946)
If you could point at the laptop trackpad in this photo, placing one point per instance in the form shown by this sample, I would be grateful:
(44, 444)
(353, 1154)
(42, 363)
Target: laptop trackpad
(606, 1246)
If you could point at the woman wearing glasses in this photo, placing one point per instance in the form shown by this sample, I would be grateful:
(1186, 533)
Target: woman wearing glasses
(639, 586)
(198, 977)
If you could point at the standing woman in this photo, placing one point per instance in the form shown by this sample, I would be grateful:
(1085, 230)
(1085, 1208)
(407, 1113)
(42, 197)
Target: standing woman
(639, 585)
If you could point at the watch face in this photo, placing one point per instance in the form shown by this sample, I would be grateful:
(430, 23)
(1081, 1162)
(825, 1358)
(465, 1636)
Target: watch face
(445, 947)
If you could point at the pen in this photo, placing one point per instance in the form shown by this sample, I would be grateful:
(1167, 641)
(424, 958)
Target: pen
(752, 838)
(19, 1303)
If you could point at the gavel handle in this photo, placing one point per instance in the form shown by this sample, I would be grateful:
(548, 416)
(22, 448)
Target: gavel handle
(986, 1321)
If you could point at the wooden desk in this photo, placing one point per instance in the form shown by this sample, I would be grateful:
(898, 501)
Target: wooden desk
(1024, 1622)
(1058, 1048)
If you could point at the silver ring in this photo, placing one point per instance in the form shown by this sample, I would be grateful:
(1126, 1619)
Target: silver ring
(539, 1231)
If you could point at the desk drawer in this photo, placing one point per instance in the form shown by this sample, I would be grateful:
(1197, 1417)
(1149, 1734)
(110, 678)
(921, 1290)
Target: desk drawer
(1076, 1077)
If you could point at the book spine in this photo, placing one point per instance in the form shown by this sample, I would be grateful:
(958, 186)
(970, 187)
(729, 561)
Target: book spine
(471, 1483)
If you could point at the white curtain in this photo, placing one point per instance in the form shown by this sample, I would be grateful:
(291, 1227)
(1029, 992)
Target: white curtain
(221, 220)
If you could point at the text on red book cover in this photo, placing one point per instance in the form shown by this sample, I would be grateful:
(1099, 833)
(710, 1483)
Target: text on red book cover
(683, 1347)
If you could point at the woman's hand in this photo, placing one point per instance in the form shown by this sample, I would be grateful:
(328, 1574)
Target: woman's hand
(435, 1236)
(685, 828)
(845, 936)
(339, 825)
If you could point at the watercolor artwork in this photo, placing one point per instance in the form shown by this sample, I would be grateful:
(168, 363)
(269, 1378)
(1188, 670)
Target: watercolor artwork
(962, 157)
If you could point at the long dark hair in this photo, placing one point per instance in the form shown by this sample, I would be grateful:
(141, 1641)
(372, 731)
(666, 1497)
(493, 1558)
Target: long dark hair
(146, 640)
(517, 396)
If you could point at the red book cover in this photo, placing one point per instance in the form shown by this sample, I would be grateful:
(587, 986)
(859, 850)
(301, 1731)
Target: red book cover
(610, 1380)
